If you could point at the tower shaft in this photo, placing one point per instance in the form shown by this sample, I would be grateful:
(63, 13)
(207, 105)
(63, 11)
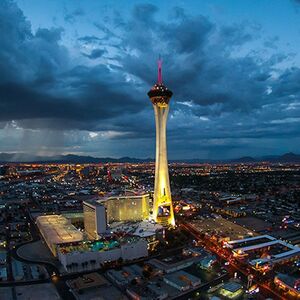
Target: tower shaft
(162, 206)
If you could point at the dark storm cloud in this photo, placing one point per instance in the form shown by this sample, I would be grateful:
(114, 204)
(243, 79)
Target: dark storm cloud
(218, 93)
(198, 59)
(236, 34)
(288, 84)
(184, 39)
(52, 36)
(69, 110)
(38, 82)
(89, 39)
(95, 53)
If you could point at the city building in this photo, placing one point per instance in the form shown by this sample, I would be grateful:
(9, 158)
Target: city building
(92, 254)
(175, 263)
(263, 252)
(88, 281)
(90, 286)
(231, 290)
(160, 96)
(130, 206)
(125, 275)
(207, 262)
(95, 222)
(100, 212)
(235, 212)
(182, 280)
(56, 230)
(150, 291)
(144, 229)
(288, 284)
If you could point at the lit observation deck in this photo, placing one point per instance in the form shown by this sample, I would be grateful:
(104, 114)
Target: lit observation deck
(159, 94)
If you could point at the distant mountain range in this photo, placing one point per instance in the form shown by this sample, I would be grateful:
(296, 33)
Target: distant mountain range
(71, 158)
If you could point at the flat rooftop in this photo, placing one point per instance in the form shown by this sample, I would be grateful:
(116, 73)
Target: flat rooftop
(222, 227)
(182, 278)
(254, 223)
(253, 241)
(57, 229)
(142, 228)
(232, 286)
(277, 249)
(288, 280)
(88, 281)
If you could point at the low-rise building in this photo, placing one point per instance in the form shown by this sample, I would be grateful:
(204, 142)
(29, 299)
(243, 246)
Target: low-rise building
(231, 290)
(207, 262)
(170, 265)
(88, 281)
(182, 280)
(288, 283)
(146, 292)
(93, 254)
(56, 230)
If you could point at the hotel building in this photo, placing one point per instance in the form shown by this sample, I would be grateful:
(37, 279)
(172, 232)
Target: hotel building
(122, 208)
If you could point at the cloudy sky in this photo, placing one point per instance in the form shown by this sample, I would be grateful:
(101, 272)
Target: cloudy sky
(74, 76)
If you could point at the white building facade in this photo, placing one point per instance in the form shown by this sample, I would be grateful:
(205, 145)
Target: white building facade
(89, 259)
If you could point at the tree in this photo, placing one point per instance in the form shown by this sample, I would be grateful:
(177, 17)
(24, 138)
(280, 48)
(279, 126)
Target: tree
(120, 260)
(146, 274)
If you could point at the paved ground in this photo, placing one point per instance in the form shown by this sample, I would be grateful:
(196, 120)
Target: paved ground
(6, 293)
(38, 252)
(103, 293)
(44, 291)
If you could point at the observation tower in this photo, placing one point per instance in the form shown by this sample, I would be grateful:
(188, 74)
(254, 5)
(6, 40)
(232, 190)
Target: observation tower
(160, 97)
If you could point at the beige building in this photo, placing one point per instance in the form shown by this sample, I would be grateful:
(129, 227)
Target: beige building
(56, 229)
(126, 207)
(122, 208)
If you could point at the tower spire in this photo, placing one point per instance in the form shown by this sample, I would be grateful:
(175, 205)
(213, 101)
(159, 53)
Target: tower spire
(159, 74)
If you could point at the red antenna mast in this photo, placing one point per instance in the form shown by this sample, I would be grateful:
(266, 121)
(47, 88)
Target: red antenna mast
(159, 75)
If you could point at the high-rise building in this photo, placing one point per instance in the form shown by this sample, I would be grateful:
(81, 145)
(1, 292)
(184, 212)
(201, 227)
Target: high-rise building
(95, 222)
(99, 212)
(127, 207)
(160, 96)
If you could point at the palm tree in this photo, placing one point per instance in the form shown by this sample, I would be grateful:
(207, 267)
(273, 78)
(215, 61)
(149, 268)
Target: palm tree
(76, 265)
(93, 262)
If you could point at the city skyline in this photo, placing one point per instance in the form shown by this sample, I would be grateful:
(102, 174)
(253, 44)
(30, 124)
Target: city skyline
(149, 149)
(74, 77)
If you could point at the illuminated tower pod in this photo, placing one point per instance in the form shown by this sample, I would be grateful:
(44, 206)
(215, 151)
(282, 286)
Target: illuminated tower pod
(162, 206)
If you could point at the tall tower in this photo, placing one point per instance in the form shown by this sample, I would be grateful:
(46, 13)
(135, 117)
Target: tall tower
(162, 206)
